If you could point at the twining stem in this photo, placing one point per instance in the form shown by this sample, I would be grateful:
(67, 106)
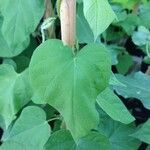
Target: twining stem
(52, 119)
(136, 6)
(68, 22)
(49, 12)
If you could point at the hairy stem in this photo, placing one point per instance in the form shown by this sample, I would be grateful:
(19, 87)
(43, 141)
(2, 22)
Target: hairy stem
(68, 22)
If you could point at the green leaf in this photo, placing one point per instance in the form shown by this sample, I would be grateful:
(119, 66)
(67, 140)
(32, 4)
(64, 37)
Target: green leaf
(60, 140)
(99, 15)
(119, 134)
(15, 92)
(94, 141)
(125, 63)
(144, 15)
(79, 1)
(114, 55)
(22, 61)
(136, 86)
(127, 3)
(114, 81)
(20, 20)
(143, 133)
(112, 35)
(70, 83)
(141, 37)
(120, 12)
(22, 91)
(84, 32)
(113, 106)
(146, 60)
(11, 62)
(130, 23)
(30, 131)
(5, 50)
(114, 51)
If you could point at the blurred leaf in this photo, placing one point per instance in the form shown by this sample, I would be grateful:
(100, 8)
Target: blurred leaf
(127, 3)
(50, 111)
(114, 81)
(15, 92)
(125, 62)
(30, 131)
(5, 50)
(119, 134)
(114, 55)
(11, 62)
(114, 52)
(113, 33)
(130, 23)
(94, 140)
(79, 1)
(22, 61)
(143, 133)
(60, 140)
(137, 86)
(141, 37)
(144, 15)
(20, 20)
(120, 13)
(147, 60)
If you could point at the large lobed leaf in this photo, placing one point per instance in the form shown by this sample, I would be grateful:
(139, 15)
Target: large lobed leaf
(20, 20)
(70, 83)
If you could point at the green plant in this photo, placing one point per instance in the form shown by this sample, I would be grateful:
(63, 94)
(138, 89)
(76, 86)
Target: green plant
(70, 74)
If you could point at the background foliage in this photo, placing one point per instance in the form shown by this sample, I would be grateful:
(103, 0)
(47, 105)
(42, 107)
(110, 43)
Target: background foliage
(97, 98)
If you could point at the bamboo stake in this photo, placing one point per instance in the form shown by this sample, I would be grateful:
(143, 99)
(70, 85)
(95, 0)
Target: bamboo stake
(68, 22)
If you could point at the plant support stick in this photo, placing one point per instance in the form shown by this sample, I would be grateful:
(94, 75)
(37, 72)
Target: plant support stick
(68, 26)
(68, 22)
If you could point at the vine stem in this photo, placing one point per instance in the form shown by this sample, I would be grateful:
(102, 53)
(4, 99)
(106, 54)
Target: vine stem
(68, 22)
(49, 12)
(52, 119)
